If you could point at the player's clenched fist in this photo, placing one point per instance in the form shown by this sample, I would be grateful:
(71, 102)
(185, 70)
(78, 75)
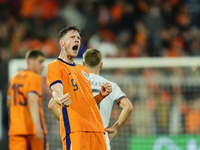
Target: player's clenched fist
(65, 100)
(106, 89)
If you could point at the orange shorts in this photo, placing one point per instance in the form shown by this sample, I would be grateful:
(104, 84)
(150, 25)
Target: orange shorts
(84, 141)
(24, 142)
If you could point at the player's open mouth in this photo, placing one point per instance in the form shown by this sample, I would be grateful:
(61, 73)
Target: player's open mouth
(75, 47)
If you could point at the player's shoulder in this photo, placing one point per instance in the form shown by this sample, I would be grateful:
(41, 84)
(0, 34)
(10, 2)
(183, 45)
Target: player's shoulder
(114, 85)
(26, 75)
(55, 63)
(101, 79)
(81, 67)
(15, 77)
(11, 79)
(33, 75)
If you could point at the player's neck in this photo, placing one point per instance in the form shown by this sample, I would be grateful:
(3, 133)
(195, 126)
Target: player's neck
(94, 71)
(66, 58)
(30, 68)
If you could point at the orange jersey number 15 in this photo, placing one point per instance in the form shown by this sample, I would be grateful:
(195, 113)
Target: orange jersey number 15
(17, 93)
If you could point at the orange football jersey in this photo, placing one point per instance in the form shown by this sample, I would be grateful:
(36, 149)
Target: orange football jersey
(83, 113)
(20, 86)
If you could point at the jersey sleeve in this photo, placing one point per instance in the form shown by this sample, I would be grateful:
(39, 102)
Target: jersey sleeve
(117, 93)
(53, 75)
(35, 85)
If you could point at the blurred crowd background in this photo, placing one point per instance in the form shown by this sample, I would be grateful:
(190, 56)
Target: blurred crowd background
(166, 101)
(139, 28)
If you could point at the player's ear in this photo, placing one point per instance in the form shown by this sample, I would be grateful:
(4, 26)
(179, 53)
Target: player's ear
(61, 42)
(83, 63)
(29, 61)
(101, 64)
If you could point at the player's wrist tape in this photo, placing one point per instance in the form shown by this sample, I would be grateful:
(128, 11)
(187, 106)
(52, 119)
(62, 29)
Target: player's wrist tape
(99, 97)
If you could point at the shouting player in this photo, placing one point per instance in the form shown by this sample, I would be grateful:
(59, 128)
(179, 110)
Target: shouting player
(81, 126)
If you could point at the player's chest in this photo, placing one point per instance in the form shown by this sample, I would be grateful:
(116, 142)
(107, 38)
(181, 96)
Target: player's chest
(75, 77)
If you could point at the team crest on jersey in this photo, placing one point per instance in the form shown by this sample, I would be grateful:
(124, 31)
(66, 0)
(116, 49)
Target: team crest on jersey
(86, 75)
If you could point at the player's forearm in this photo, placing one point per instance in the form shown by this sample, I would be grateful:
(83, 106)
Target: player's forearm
(122, 118)
(99, 98)
(54, 109)
(56, 96)
(106, 89)
(34, 111)
(56, 112)
(57, 93)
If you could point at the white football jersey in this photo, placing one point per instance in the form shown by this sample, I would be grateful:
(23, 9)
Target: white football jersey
(106, 104)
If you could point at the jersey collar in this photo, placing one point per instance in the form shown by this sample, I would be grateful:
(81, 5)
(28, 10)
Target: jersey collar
(66, 62)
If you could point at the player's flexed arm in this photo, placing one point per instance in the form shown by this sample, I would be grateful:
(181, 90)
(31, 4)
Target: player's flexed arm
(53, 107)
(58, 98)
(55, 83)
(57, 94)
(106, 89)
(127, 108)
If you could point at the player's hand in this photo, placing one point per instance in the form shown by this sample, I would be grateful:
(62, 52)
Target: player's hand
(111, 133)
(106, 89)
(65, 100)
(39, 133)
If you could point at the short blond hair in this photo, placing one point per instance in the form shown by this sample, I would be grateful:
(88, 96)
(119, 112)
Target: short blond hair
(92, 57)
